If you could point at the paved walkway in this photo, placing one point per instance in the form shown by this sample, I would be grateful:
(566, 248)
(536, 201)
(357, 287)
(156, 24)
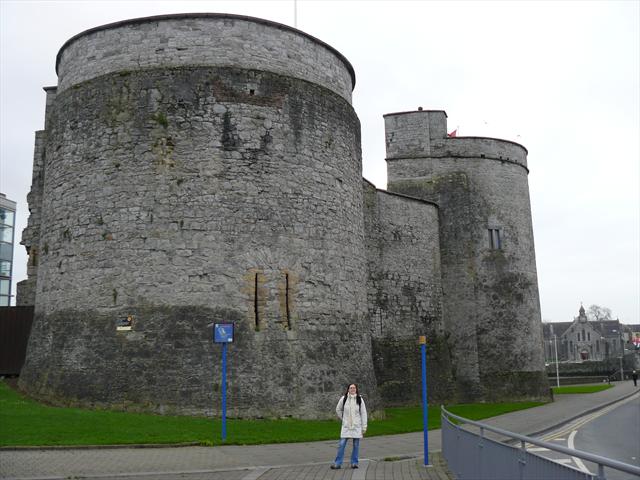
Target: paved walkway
(389, 457)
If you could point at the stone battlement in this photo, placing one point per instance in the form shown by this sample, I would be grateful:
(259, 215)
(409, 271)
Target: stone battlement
(203, 39)
(423, 133)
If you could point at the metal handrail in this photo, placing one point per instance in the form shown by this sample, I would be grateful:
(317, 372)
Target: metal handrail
(600, 461)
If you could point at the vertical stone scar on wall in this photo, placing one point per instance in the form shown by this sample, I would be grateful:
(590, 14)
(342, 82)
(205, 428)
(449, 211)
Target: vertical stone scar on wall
(286, 301)
(257, 296)
(163, 144)
(286, 295)
(255, 303)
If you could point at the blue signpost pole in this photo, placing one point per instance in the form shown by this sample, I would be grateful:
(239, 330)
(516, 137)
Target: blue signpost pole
(425, 411)
(224, 392)
(223, 333)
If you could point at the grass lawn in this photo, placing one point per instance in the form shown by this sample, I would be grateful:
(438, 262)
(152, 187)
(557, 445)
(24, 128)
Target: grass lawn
(24, 422)
(581, 389)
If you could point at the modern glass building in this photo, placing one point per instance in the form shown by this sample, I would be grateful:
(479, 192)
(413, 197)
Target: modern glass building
(7, 228)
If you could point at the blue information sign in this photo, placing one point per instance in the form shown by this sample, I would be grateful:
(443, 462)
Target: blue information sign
(223, 332)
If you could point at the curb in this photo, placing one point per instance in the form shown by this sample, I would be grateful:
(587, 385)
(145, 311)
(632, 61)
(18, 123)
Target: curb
(101, 447)
(253, 472)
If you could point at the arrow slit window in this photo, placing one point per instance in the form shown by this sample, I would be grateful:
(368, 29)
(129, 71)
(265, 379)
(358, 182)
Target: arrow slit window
(495, 239)
(255, 302)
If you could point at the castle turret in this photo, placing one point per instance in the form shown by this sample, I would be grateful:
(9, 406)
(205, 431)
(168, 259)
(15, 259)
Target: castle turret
(199, 168)
(490, 288)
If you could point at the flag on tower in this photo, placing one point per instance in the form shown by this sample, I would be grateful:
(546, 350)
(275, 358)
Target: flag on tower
(453, 134)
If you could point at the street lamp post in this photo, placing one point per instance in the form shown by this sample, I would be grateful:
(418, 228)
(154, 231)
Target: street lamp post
(555, 343)
(621, 354)
(621, 370)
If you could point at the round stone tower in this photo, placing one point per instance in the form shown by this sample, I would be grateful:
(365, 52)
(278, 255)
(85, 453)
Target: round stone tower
(490, 286)
(196, 169)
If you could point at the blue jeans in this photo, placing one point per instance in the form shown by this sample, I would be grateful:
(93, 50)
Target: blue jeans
(354, 453)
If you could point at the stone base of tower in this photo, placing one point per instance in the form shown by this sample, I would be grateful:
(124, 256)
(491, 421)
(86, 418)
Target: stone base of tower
(169, 364)
(516, 386)
(397, 363)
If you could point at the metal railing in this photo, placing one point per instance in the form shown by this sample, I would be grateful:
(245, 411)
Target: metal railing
(472, 455)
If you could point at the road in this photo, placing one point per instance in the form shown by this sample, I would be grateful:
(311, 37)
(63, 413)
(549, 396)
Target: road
(613, 435)
(613, 432)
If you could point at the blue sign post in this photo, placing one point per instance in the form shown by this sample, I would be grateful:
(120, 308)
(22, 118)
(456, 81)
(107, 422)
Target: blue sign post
(223, 333)
(425, 411)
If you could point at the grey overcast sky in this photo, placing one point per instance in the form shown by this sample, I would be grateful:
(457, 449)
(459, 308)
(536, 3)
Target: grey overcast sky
(561, 78)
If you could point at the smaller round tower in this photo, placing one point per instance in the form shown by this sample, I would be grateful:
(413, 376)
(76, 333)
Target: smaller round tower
(490, 287)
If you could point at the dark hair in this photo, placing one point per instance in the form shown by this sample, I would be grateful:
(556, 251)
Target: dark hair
(346, 394)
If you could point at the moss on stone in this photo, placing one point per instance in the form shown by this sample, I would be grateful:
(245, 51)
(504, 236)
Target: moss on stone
(516, 386)
(161, 119)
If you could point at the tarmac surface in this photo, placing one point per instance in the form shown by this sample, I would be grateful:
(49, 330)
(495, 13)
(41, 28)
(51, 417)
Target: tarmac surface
(397, 457)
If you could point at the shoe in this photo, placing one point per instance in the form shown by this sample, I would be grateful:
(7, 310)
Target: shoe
(335, 467)
(355, 465)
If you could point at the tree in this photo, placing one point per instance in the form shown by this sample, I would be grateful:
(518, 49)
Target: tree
(598, 313)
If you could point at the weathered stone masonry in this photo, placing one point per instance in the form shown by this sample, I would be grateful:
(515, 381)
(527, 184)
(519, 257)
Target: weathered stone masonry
(404, 295)
(490, 295)
(207, 167)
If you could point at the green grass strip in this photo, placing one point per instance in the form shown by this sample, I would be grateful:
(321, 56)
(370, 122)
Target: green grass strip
(580, 389)
(24, 422)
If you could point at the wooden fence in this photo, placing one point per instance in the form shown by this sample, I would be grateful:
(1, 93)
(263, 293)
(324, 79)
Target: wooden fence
(15, 326)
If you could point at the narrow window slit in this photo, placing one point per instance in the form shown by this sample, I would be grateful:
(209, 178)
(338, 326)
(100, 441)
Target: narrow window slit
(255, 303)
(495, 242)
(286, 300)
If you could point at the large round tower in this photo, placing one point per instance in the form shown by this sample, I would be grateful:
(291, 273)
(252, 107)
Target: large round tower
(490, 286)
(199, 168)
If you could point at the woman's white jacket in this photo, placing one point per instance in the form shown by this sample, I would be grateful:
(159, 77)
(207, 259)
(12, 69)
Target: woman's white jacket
(355, 425)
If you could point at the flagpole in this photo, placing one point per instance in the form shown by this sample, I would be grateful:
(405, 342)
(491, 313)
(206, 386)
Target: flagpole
(295, 13)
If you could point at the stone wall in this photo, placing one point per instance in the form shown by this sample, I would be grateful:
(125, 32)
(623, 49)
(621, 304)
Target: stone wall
(185, 40)
(491, 299)
(181, 197)
(26, 289)
(424, 133)
(405, 295)
(593, 369)
(202, 168)
(410, 134)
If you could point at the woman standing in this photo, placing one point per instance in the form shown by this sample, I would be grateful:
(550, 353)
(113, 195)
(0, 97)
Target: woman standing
(353, 413)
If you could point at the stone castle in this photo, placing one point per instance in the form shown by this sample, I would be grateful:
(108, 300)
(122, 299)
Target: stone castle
(202, 168)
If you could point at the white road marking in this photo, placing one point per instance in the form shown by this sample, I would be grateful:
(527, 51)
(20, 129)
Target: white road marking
(538, 449)
(576, 424)
(578, 461)
(571, 429)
